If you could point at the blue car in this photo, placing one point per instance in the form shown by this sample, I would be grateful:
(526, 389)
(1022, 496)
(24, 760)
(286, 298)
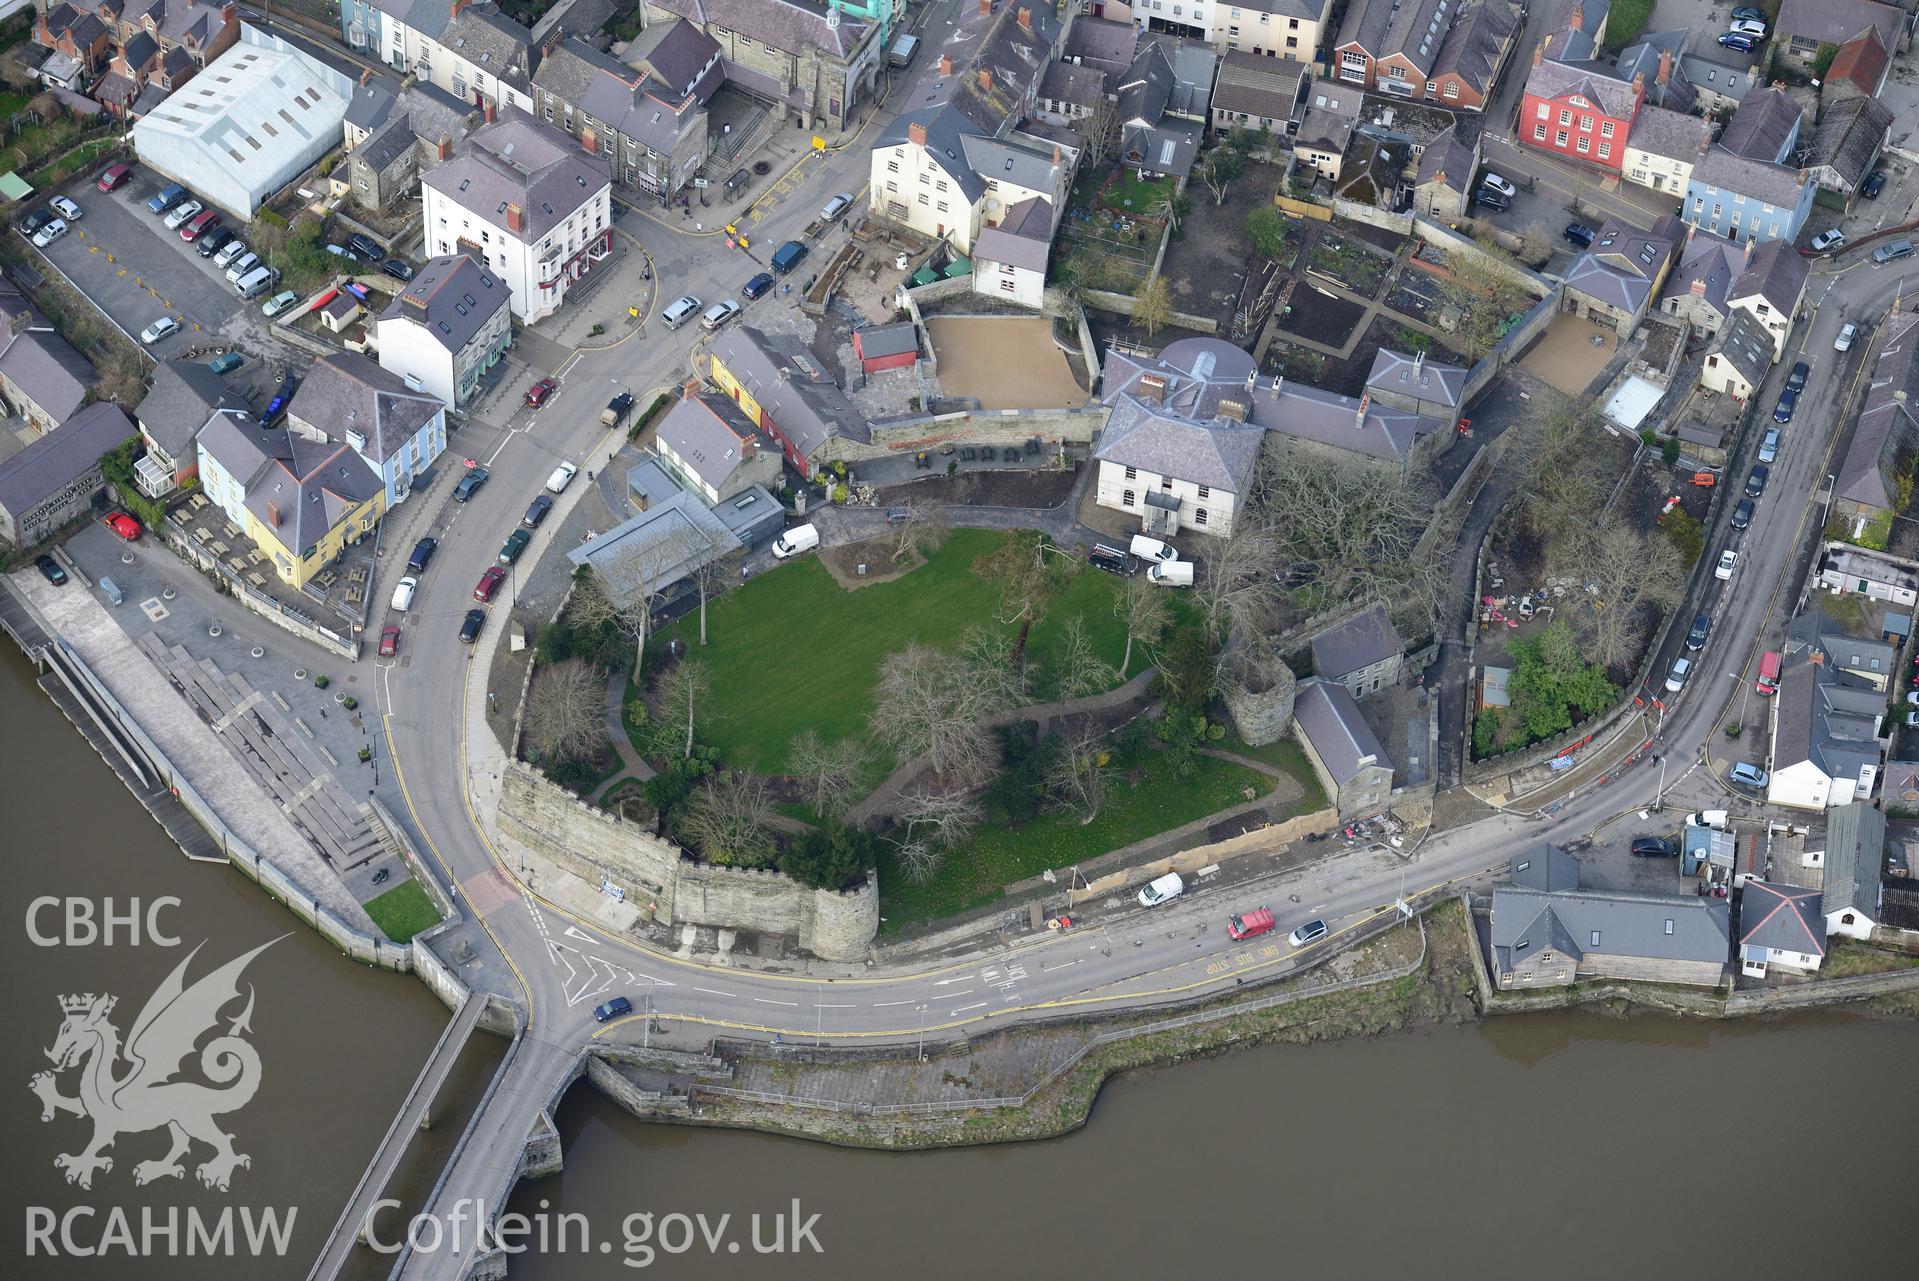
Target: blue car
(1788, 401)
(757, 286)
(1739, 40)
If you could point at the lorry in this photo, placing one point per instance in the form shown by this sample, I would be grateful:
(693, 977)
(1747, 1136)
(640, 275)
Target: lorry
(787, 257)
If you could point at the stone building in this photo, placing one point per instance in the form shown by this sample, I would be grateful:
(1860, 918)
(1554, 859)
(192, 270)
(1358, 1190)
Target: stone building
(57, 477)
(395, 135)
(1345, 753)
(810, 64)
(1364, 652)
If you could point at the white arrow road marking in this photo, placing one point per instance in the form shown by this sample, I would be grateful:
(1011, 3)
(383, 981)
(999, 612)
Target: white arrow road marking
(574, 932)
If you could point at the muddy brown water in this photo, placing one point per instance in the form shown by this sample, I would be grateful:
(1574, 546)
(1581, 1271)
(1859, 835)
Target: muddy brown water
(1586, 1146)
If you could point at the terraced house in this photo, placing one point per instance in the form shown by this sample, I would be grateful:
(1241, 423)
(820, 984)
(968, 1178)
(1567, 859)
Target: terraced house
(130, 44)
(473, 51)
(810, 62)
(1448, 51)
(1580, 109)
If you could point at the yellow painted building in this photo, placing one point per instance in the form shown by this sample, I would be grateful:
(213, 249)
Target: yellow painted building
(300, 499)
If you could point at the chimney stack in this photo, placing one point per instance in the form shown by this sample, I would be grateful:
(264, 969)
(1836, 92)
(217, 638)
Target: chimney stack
(985, 8)
(1539, 52)
(444, 147)
(1665, 67)
(985, 80)
(1752, 247)
(1152, 387)
(946, 65)
(1056, 153)
(916, 134)
(1699, 287)
(1639, 85)
(1365, 403)
(273, 513)
(1025, 19)
(1231, 411)
(458, 5)
(366, 76)
(1575, 21)
(1419, 362)
(590, 140)
(515, 219)
(492, 112)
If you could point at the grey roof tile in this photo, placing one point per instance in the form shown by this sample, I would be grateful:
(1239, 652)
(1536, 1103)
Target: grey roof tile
(46, 369)
(1783, 917)
(1366, 638)
(1525, 921)
(184, 395)
(1326, 713)
(1217, 454)
(56, 459)
(1546, 867)
(1851, 133)
(1855, 859)
(1763, 127)
(451, 298)
(1837, 21)
(517, 160)
(1258, 86)
(347, 392)
(711, 435)
(792, 387)
(1670, 134)
(1416, 376)
(1746, 345)
(1776, 273)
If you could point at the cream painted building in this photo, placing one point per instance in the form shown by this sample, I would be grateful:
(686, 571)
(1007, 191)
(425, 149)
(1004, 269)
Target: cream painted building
(1662, 148)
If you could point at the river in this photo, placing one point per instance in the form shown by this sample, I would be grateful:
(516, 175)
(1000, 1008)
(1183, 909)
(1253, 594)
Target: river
(1569, 1144)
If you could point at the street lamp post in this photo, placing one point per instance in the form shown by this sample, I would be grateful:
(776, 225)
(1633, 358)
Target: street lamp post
(922, 1054)
(646, 1033)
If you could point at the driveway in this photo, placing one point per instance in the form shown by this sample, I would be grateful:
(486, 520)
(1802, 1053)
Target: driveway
(134, 270)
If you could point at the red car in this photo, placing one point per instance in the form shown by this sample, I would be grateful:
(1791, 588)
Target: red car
(488, 584)
(1250, 924)
(200, 224)
(389, 641)
(115, 177)
(536, 394)
(124, 525)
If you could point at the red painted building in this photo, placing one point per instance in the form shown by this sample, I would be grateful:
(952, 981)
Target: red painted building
(1576, 111)
(887, 346)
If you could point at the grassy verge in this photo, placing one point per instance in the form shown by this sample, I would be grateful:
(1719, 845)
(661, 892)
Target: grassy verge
(403, 911)
(1848, 958)
(1144, 799)
(1288, 755)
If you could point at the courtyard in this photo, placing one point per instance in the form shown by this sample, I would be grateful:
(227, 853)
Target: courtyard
(1003, 362)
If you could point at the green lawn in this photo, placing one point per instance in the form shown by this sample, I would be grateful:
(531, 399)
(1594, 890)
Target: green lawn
(403, 911)
(1626, 20)
(1130, 194)
(792, 648)
(998, 855)
(1288, 755)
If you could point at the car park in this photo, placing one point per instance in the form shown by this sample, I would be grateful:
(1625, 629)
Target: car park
(1654, 847)
(124, 525)
(279, 303)
(470, 625)
(1830, 238)
(50, 569)
(229, 253)
(1251, 924)
(1493, 200)
(1742, 514)
(1676, 678)
(1847, 332)
(1311, 932)
(718, 314)
(1746, 774)
(403, 593)
(759, 284)
(65, 208)
(49, 233)
(389, 641)
(1700, 633)
(536, 511)
(537, 394)
(1756, 480)
(483, 591)
(115, 177)
(1738, 40)
(199, 225)
(1788, 401)
(241, 267)
(1874, 184)
(1893, 251)
(181, 214)
(213, 242)
(1796, 380)
(166, 198)
(422, 555)
(1728, 561)
(469, 484)
(1498, 183)
(515, 544)
(1580, 234)
(1769, 447)
(562, 477)
(1161, 889)
(1749, 27)
(159, 329)
(618, 1007)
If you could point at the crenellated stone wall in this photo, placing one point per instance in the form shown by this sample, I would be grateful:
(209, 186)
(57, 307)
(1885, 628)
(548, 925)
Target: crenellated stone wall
(601, 848)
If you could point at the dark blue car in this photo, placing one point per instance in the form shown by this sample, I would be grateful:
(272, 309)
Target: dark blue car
(1788, 401)
(757, 286)
(1580, 234)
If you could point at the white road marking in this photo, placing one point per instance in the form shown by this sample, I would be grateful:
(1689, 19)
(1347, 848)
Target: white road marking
(962, 1009)
(711, 992)
(957, 993)
(880, 1005)
(763, 1000)
(943, 982)
(574, 932)
(829, 1005)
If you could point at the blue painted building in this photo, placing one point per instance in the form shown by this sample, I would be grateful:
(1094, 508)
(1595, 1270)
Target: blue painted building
(1749, 185)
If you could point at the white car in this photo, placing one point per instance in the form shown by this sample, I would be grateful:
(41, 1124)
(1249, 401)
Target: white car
(241, 266)
(1847, 332)
(229, 252)
(159, 329)
(1169, 886)
(1499, 184)
(183, 213)
(1830, 238)
(1748, 27)
(562, 477)
(1727, 560)
(836, 206)
(403, 593)
(1676, 679)
(49, 233)
(65, 208)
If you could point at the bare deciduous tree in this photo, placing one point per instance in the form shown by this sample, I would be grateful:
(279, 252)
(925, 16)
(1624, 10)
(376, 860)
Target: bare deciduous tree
(927, 703)
(566, 711)
(1153, 306)
(594, 606)
(727, 818)
(932, 823)
(1238, 582)
(1551, 453)
(924, 530)
(1000, 676)
(1076, 781)
(1101, 131)
(683, 692)
(829, 770)
(711, 578)
(1221, 166)
(1484, 293)
(1028, 579)
(1081, 670)
(1142, 606)
(1627, 569)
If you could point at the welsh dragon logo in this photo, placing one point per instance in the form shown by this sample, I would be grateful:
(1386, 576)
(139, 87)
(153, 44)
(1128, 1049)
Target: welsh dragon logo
(145, 1096)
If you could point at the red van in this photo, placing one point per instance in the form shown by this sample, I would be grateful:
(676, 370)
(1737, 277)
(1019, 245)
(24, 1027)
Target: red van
(1250, 924)
(1768, 682)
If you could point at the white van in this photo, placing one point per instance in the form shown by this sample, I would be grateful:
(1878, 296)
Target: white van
(800, 538)
(680, 310)
(254, 283)
(1152, 549)
(403, 593)
(1172, 573)
(1166, 887)
(562, 477)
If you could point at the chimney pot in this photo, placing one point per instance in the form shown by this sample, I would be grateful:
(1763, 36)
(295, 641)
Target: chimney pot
(1576, 20)
(985, 8)
(444, 147)
(515, 218)
(1639, 85)
(366, 75)
(1359, 418)
(916, 134)
(1665, 67)
(1025, 19)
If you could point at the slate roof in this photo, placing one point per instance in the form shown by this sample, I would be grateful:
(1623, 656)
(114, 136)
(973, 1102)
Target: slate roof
(1776, 185)
(433, 113)
(791, 26)
(1568, 42)
(1642, 57)
(1525, 922)
(895, 339)
(677, 53)
(184, 395)
(1218, 454)
(1332, 113)
(792, 387)
(46, 369)
(491, 41)
(1544, 867)
(429, 17)
(347, 391)
(1023, 238)
(1849, 137)
(1619, 267)
(647, 554)
(1710, 262)
(1260, 86)
(1450, 160)
(1330, 719)
(1304, 10)
(1861, 62)
(452, 298)
(1855, 855)
(1671, 134)
(1782, 917)
(1366, 638)
(386, 144)
(1836, 21)
(710, 435)
(1763, 127)
(517, 160)
(1891, 397)
(1102, 40)
(1844, 652)
(1473, 46)
(1826, 718)
(56, 459)
(1416, 376)
(295, 485)
(1746, 345)
(1381, 28)
(1081, 86)
(138, 50)
(1613, 96)
(372, 102)
(1776, 273)
(1716, 77)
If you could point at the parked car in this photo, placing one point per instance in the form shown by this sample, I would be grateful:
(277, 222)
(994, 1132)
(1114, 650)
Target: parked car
(1676, 678)
(125, 526)
(537, 394)
(536, 511)
(618, 1007)
(1728, 561)
(1830, 238)
(1742, 514)
(1796, 380)
(1700, 633)
(562, 477)
(1847, 332)
(159, 329)
(397, 268)
(1751, 12)
(230, 253)
(115, 177)
(470, 626)
(1739, 40)
(35, 220)
(65, 208)
(1580, 234)
(1161, 889)
(483, 591)
(341, 251)
(279, 303)
(1493, 200)
(213, 242)
(200, 224)
(1746, 774)
(759, 284)
(1769, 447)
(1497, 183)
(1654, 847)
(422, 555)
(1756, 480)
(241, 267)
(182, 213)
(166, 198)
(49, 233)
(1874, 184)
(515, 544)
(469, 484)
(50, 569)
(1893, 251)
(617, 409)
(281, 395)
(226, 362)
(389, 641)
(1250, 924)
(1749, 27)
(403, 593)
(366, 246)
(836, 206)
(1311, 932)
(718, 314)
(1788, 401)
